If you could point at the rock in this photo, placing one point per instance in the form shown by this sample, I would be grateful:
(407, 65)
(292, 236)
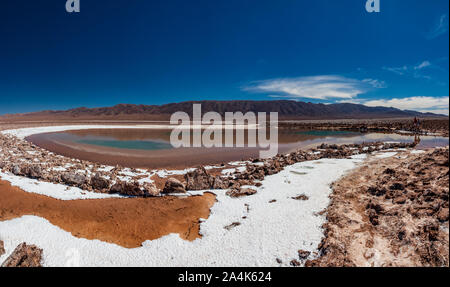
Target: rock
(16, 170)
(397, 186)
(2, 248)
(24, 256)
(303, 254)
(377, 191)
(240, 192)
(99, 183)
(116, 188)
(279, 261)
(301, 197)
(220, 183)
(389, 171)
(127, 188)
(132, 189)
(400, 200)
(150, 189)
(431, 230)
(72, 178)
(295, 263)
(173, 185)
(373, 217)
(232, 225)
(31, 171)
(443, 215)
(199, 179)
(401, 234)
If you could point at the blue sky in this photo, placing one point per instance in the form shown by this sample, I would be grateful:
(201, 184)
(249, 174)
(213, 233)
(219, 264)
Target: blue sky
(156, 52)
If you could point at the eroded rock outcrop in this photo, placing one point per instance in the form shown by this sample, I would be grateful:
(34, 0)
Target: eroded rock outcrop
(173, 185)
(24, 256)
(2, 248)
(239, 192)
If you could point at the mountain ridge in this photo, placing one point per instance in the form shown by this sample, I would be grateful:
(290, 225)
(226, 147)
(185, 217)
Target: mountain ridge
(286, 110)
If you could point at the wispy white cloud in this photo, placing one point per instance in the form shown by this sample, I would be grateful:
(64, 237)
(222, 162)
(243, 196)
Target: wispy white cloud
(422, 65)
(438, 105)
(315, 87)
(439, 28)
(416, 71)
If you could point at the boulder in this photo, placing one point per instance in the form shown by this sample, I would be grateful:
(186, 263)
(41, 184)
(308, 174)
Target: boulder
(116, 188)
(443, 215)
(303, 254)
(240, 192)
(33, 171)
(198, 179)
(295, 263)
(150, 189)
(127, 188)
(99, 183)
(24, 256)
(173, 185)
(220, 183)
(400, 199)
(16, 170)
(72, 178)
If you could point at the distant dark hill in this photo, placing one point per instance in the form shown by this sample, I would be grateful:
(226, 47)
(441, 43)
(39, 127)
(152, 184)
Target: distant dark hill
(285, 109)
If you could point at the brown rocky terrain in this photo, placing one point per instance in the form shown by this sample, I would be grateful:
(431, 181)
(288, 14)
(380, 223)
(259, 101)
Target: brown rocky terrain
(438, 126)
(2, 248)
(390, 212)
(24, 256)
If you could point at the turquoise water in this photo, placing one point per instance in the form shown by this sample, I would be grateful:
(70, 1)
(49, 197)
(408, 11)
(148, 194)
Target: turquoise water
(127, 144)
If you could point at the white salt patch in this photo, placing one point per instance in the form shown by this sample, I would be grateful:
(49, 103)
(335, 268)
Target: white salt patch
(166, 173)
(228, 171)
(105, 168)
(385, 154)
(270, 231)
(58, 168)
(359, 156)
(58, 191)
(417, 151)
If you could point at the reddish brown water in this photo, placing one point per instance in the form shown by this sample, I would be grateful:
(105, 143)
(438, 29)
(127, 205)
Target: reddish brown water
(152, 149)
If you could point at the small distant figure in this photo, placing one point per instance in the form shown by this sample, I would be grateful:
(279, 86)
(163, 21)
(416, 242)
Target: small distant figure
(416, 124)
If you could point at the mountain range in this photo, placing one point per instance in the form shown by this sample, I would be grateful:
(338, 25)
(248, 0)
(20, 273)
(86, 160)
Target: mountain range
(285, 109)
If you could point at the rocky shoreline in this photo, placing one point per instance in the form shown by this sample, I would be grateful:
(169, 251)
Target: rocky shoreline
(398, 126)
(391, 212)
(22, 158)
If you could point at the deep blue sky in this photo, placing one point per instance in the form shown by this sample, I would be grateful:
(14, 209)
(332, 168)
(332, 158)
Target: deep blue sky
(155, 52)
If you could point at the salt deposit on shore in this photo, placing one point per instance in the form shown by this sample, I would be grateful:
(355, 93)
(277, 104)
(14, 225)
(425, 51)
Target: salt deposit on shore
(266, 226)
(58, 191)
